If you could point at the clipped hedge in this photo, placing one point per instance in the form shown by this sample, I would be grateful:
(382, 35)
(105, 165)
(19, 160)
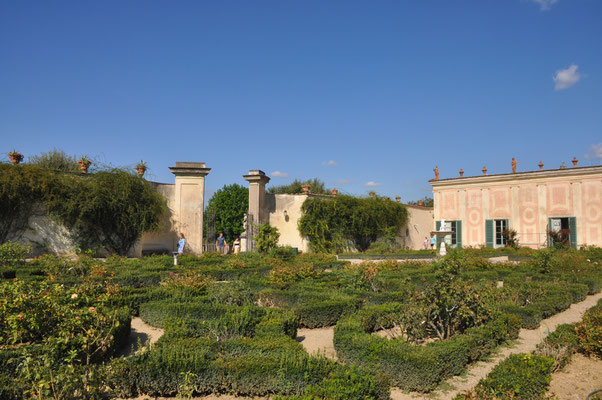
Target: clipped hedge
(520, 376)
(213, 369)
(418, 368)
(589, 331)
(324, 313)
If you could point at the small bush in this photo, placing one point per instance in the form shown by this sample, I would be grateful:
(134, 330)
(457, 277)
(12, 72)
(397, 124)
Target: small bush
(589, 332)
(520, 376)
(234, 293)
(286, 253)
(12, 253)
(266, 238)
(560, 345)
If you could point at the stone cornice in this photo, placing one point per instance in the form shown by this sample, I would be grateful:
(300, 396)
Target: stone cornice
(190, 169)
(592, 171)
(256, 176)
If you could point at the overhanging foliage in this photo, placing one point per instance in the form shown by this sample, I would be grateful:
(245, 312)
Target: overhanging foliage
(332, 224)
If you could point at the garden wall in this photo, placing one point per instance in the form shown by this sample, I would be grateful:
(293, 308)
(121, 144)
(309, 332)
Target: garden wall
(284, 212)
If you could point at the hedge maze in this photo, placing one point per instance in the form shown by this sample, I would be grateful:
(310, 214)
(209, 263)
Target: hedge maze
(230, 322)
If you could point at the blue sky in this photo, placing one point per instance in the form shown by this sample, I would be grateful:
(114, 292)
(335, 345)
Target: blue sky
(364, 95)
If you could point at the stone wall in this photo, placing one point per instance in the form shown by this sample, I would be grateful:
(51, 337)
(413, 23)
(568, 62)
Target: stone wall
(419, 226)
(283, 212)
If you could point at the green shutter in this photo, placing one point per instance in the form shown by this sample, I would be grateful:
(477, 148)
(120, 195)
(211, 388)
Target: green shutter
(573, 233)
(458, 234)
(550, 244)
(438, 227)
(489, 232)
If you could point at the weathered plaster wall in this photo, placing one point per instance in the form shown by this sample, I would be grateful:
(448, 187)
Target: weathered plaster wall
(165, 239)
(283, 212)
(527, 200)
(419, 226)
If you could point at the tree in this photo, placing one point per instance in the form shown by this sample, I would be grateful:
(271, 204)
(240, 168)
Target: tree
(317, 187)
(112, 208)
(229, 204)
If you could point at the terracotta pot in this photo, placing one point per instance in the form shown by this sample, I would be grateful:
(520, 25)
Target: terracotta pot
(141, 170)
(83, 166)
(305, 188)
(420, 202)
(335, 192)
(16, 158)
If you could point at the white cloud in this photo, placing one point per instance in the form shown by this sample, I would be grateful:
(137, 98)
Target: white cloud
(344, 181)
(278, 174)
(545, 5)
(330, 163)
(565, 78)
(372, 184)
(595, 151)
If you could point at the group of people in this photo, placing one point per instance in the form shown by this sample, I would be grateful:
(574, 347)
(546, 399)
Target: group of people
(427, 241)
(221, 244)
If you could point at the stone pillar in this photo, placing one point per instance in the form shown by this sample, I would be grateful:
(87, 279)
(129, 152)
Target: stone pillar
(257, 180)
(189, 202)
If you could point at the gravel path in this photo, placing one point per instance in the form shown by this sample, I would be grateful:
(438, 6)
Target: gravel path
(526, 342)
(140, 331)
(318, 341)
(578, 379)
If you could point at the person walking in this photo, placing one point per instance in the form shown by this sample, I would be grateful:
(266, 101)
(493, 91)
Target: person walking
(432, 242)
(425, 245)
(181, 244)
(221, 243)
(236, 246)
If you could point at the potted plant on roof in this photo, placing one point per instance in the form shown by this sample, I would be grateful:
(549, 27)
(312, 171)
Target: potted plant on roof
(84, 163)
(141, 168)
(15, 157)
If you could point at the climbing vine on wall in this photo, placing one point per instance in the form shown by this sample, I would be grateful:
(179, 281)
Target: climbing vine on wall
(109, 209)
(335, 224)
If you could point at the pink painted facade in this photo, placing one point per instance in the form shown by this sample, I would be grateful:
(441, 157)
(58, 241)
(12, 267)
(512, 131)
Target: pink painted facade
(532, 203)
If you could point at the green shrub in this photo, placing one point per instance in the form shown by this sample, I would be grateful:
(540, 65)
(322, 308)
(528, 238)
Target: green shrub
(12, 253)
(334, 225)
(520, 376)
(419, 368)
(266, 238)
(234, 293)
(56, 160)
(286, 253)
(324, 313)
(559, 345)
(589, 331)
(346, 384)
(530, 316)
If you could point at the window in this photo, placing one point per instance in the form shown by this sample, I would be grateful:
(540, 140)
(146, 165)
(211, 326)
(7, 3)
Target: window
(562, 229)
(455, 238)
(493, 232)
(500, 226)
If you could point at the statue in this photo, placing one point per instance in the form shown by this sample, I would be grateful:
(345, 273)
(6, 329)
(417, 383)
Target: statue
(442, 227)
(513, 165)
(436, 172)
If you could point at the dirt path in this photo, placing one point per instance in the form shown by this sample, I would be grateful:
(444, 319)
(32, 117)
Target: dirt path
(526, 343)
(318, 341)
(140, 331)
(209, 397)
(578, 379)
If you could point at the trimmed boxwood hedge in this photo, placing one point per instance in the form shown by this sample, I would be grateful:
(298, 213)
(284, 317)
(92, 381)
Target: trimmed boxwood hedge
(419, 368)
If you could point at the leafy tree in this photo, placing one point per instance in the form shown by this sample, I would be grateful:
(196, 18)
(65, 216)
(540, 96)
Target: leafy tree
(317, 187)
(332, 225)
(56, 160)
(266, 238)
(426, 201)
(112, 208)
(229, 204)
